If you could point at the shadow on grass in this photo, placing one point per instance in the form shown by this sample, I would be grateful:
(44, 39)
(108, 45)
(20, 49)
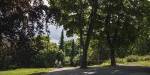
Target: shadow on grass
(41, 73)
(134, 68)
(118, 70)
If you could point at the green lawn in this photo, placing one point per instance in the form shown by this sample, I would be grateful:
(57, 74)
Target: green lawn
(138, 63)
(143, 63)
(25, 71)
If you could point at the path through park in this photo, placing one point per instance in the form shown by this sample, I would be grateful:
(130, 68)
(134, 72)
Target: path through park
(120, 70)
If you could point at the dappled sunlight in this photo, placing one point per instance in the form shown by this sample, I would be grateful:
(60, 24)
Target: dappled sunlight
(119, 70)
(89, 73)
(115, 71)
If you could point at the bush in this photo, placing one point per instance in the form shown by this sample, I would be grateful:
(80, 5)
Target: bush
(77, 60)
(145, 58)
(120, 60)
(6, 62)
(132, 58)
(47, 58)
(67, 61)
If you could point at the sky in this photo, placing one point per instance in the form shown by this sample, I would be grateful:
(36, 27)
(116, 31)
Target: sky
(55, 34)
(46, 2)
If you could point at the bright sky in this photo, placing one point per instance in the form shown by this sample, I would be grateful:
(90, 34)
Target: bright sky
(55, 33)
(46, 2)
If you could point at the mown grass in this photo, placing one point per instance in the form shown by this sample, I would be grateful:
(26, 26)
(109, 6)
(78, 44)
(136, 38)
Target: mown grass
(144, 63)
(132, 60)
(25, 71)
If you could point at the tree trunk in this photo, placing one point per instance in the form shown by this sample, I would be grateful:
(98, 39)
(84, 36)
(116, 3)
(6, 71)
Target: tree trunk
(71, 61)
(72, 54)
(84, 59)
(112, 57)
(112, 51)
(109, 39)
(100, 53)
(92, 19)
(80, 22)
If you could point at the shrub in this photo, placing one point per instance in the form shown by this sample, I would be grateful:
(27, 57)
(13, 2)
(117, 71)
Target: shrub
(67, 61)
(47, 58)
(77, 60)
(5, 62)
(145, 58)
(121, 60)
(132, 58)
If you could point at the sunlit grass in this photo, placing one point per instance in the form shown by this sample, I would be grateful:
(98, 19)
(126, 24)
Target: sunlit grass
(142, 61)
(25, 71)
(106, 63)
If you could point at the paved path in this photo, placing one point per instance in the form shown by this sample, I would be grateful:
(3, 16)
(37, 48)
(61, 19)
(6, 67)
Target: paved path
(121, 70)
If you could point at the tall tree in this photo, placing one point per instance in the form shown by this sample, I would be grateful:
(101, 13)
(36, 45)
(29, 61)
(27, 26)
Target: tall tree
(115, 22)
(72, 54)
(61, 42)
(120, 23)
(20, 21)
(76, 17)
(61, 47)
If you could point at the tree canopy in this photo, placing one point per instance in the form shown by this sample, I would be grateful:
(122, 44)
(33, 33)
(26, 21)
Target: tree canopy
(105, 28)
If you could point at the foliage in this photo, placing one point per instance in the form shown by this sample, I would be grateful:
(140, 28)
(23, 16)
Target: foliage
(72, 52)
(132, 58)
(20, 22)
(48, 53)
(61, 43)
(47, 58)
(145, 58)
(116, 23)
(106, 29)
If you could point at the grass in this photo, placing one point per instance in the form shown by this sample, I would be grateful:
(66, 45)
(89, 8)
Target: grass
(131, 60)
(144, 63)
(25, 71)
(138, 63)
